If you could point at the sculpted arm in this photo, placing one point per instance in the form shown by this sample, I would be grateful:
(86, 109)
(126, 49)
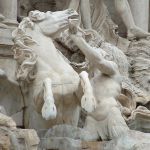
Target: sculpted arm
(95, 57)
(88, 101)
(123, 9)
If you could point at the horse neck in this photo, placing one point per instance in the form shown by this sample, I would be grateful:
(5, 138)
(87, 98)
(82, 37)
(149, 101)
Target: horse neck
(46, 43)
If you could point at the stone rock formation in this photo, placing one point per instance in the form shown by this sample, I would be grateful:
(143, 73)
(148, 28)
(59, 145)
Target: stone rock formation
(13, 138)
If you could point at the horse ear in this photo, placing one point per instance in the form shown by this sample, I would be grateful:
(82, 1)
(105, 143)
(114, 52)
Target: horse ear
(37, 15)
(49, 12)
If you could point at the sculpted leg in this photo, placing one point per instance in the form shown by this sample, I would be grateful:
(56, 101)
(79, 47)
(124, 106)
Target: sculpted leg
(49, 109)
(123, 8)
(74, 4)
(140, 12)
(88, 101)
(86, 14)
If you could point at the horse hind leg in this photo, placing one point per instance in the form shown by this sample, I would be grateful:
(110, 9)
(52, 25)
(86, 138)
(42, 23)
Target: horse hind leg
(49, 109)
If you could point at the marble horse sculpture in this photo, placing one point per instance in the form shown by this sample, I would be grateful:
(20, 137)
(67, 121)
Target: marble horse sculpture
(52, 84)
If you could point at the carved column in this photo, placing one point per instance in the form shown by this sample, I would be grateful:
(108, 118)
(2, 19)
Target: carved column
(9, 9)
(140, 11)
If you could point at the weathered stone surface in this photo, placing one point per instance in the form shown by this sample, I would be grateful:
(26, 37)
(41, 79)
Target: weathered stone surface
(132, 140)
(18, 118)
(93, 145)
(60, 143)
(4, 141)
(16, 139)
(140, 119)
(70, 137)
(30, 137)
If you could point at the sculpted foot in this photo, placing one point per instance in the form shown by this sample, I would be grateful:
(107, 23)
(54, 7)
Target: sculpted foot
(7, 121)
(137, 32)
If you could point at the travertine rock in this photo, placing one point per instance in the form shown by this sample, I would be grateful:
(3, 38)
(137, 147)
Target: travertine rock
(140, 119)
(4, 141)
(139, 58)
(132, 140)
(63, 136)
(12, 138)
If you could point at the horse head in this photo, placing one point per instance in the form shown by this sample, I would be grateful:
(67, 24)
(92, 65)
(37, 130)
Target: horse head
(53, 23)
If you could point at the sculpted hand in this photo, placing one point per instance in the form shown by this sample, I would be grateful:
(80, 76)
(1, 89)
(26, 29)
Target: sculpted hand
(49, 110)
(74, 28)
(88, 102)
(76, 32)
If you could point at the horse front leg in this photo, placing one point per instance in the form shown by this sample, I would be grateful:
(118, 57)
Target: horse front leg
(49, 109)
(88, 101)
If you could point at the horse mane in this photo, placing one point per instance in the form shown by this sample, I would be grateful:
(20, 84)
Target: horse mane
(23, 53)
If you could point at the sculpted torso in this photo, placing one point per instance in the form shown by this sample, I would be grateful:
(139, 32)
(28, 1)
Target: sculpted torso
(105, 90)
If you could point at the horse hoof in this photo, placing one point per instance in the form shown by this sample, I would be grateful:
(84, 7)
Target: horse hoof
(49, 111)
